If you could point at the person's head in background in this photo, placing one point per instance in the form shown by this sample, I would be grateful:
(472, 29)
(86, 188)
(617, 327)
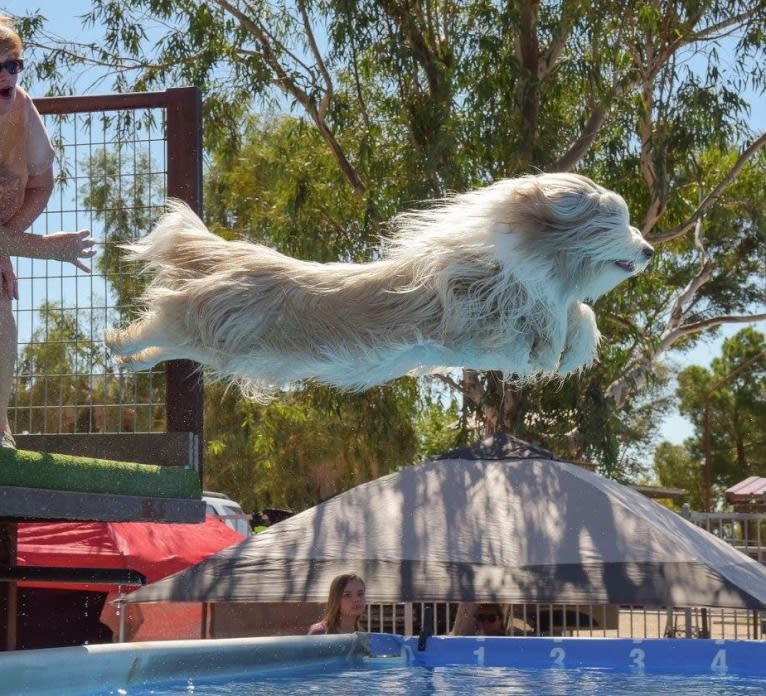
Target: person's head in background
(10, 63)
(489, 620)
(346, 603)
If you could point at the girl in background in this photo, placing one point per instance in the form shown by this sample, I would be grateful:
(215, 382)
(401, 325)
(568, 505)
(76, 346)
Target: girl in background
(345, 605)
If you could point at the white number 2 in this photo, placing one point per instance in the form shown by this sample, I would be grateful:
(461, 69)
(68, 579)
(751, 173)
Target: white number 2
(558, 655)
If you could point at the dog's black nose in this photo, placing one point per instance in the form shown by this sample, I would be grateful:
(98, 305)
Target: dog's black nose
(648, 251)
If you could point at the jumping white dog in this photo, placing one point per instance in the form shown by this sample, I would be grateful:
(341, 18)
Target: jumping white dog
(493, 279)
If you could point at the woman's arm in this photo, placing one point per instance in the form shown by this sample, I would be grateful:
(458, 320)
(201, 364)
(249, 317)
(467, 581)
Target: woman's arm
(36, 196)
(59, 246)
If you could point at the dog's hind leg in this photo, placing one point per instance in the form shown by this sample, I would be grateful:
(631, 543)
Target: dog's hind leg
(149, 332)
(145, 359)
(144, 343)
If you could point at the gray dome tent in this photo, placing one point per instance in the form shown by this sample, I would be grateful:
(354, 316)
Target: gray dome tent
(500, 521)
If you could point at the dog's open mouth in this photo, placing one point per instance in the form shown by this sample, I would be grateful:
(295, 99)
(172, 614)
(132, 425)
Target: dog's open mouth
(627, 266)
(6, 92)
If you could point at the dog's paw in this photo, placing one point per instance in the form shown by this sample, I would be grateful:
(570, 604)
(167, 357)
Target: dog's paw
(583, 337)
(572, 361)
(544, 360)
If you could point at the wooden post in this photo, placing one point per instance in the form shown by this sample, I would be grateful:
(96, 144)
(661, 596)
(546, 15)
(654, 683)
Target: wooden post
(8, 597)
(184, 390)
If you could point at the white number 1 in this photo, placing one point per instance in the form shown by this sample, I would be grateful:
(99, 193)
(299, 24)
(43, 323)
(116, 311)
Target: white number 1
(479, 652)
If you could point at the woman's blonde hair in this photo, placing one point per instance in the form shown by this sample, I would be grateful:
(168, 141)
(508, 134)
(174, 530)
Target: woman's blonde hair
(331, 616)
(10, 42)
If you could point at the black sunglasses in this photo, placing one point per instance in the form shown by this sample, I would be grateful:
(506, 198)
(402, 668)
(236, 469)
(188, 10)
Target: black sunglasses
(485, 618)
(12, 66)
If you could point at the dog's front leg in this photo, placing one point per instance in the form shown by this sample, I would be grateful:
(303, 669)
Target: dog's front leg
(583, 337)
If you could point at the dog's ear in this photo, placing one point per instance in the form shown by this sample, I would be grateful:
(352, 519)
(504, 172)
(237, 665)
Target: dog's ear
(567, 200)
(563, 201)
(528, 209)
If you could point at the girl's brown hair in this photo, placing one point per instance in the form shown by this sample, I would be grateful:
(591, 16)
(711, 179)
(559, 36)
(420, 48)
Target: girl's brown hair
(331, 616)
(10, 42)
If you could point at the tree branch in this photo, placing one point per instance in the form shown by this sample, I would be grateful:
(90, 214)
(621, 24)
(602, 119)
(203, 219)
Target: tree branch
(713, 196)
(671, 337)
(546, 64)
(269, 47)
(324, 104)
(581, 146)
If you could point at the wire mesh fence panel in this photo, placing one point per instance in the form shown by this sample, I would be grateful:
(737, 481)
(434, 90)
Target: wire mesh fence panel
(113, 158)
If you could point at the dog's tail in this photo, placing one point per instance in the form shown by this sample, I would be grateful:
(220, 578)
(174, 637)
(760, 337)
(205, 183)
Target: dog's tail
(180, 247)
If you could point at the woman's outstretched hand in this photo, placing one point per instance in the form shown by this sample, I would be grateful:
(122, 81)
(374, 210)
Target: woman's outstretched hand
(71, 247)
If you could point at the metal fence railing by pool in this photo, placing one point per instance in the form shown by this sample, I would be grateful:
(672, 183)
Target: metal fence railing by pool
(581, 620)
(118, 158)
(745, 531)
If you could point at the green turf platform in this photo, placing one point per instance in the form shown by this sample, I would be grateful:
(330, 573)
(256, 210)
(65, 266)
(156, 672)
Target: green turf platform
(63, 472)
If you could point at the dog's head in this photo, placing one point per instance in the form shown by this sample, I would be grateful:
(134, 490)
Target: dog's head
(575, 226)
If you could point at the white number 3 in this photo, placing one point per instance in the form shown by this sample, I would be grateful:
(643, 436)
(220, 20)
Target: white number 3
(637, 655)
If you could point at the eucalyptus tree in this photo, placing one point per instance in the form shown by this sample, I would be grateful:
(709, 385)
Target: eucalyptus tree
(676, 467)
(414, 99)
(727, 408)
(306, 446)
(56, 368)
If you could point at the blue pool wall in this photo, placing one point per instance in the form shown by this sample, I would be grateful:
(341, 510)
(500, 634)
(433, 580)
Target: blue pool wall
(659, 655)
(113, 667)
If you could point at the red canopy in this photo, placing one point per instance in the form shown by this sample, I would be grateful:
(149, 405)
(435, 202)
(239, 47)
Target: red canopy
(153, 549)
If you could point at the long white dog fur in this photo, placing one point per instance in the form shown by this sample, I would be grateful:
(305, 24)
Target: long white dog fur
(492, 279)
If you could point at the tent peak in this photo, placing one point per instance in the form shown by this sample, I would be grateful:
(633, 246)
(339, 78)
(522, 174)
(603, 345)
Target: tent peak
(498, 447)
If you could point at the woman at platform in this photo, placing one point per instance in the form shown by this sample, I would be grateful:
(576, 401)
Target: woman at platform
(26, 183)
(345, 605)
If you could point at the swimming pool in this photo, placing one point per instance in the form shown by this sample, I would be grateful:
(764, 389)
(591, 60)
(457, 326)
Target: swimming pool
(361, 664)
(461, 681)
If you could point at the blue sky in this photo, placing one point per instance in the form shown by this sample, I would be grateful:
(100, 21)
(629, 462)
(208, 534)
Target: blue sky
(64, 19)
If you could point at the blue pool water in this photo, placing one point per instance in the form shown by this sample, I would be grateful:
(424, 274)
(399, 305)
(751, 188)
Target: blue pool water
(461, 681)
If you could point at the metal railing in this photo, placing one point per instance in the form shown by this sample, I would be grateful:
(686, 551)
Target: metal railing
(605, 621)
(745, 531)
